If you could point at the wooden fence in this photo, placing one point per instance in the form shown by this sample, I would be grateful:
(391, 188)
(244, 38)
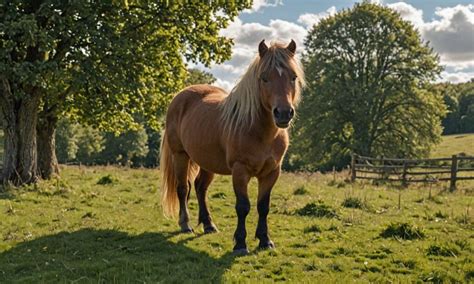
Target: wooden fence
(413, 170)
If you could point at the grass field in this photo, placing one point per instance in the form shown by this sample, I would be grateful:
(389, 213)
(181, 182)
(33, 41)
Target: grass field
(76, 230)
(454, 145)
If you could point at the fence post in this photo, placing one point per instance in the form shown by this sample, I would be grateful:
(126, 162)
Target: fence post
(454, 171)
(383, 174)
(353, 169)
(404, 174)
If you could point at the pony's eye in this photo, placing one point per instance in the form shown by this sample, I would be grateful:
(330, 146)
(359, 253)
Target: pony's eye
(264, 79)
(294, 78)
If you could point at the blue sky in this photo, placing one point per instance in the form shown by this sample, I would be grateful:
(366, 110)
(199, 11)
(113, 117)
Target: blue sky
(447, 24)
(291, 10)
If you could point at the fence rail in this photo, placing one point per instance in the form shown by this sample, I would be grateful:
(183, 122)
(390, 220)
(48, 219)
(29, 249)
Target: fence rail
(407, 171)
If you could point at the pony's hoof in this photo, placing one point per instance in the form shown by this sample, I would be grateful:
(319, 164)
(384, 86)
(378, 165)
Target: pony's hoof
(266, 245)
(186, 230)
(210, 230)
(241, 251)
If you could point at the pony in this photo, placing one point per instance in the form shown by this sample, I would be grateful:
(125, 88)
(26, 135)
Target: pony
(243, 134)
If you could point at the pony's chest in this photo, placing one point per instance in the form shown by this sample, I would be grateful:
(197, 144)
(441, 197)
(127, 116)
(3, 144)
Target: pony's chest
(268, 157)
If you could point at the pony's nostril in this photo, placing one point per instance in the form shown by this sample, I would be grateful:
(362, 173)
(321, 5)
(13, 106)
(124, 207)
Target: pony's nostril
(276, 113)
(292, 113)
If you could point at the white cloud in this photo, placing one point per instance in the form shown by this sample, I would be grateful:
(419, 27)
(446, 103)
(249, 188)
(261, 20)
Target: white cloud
(409, 13)
(379, 2)
(246, 37)
(258, 4)
(226, 85)
(451, 35)
(309, 20)
(456, 77)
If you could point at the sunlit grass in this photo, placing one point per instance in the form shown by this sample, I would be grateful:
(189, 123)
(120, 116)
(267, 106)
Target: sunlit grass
(454, 145)
(75, 229)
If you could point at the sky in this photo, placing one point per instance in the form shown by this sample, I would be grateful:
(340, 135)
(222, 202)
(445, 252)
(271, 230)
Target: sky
(447, 24)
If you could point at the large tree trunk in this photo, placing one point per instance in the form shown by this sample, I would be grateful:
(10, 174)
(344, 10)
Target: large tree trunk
(20, 152)
(46, 130)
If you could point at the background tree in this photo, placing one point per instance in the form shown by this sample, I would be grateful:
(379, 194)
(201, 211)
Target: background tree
(459, 100)
(102, 62)
(196, 76)
(368, 91)
(135, 147)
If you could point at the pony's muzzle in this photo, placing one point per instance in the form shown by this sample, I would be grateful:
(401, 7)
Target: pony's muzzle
(283, 116)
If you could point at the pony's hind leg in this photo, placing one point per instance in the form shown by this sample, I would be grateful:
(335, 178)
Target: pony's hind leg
(181, 167)
(201, 184)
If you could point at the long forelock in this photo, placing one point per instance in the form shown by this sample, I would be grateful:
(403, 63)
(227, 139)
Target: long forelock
(241, 108)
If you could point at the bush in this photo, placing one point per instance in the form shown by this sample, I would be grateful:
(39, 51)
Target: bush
(108, 179)
(403, 231)
(442, 250)
(312, 229)
(300, 191)
(353, 202)
(317, 210)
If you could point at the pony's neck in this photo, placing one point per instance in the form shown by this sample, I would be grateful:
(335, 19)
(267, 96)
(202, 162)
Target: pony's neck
(265, 127)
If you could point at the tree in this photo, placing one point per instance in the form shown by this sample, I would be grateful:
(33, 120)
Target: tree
(136, 147)
(196, 76)
(459, 99)
(368, 91)
(101, 62)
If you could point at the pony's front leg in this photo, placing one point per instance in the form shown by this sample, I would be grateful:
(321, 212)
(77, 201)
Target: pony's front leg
(240, 180)
(265, 185)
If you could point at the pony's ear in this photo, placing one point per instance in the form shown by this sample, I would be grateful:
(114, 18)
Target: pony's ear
(262, 48)
(292, 47)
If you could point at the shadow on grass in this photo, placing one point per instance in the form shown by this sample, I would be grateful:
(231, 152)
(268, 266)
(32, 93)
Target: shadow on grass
(109, 256)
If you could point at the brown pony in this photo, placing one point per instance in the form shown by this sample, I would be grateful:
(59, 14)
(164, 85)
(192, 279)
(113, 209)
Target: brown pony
(243, 134)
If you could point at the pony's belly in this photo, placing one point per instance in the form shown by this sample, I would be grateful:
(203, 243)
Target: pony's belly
(212, 163)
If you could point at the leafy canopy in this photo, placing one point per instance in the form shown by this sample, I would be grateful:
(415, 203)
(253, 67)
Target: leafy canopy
(368, 92)
(103, 62)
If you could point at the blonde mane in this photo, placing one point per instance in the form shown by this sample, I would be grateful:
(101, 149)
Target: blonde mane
(241, 108)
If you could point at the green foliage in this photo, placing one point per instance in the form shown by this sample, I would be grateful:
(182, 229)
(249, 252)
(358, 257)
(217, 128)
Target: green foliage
(107, 179)
(196, 76)
(353, 202)
(368, 92)
(442, 250)
(75, 143)
(103, 61)
(312, 229)
(318, 209)
(300, 191)
(86, 145)
(125, 148)
(459, 99)
(403, 231)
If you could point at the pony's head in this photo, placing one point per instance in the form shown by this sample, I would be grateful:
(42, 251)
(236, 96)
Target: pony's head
(280, 81)
(271, 84)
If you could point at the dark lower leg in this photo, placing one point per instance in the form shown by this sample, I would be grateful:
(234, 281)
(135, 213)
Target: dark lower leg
(201, 184)
(242, 207)
(263, 207)
(183, 193)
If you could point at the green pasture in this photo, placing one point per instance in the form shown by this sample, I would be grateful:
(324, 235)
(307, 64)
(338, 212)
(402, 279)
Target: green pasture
(104, 224)
(454, 145)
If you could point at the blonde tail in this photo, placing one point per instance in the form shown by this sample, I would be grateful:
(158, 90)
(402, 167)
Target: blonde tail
(169, 184)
